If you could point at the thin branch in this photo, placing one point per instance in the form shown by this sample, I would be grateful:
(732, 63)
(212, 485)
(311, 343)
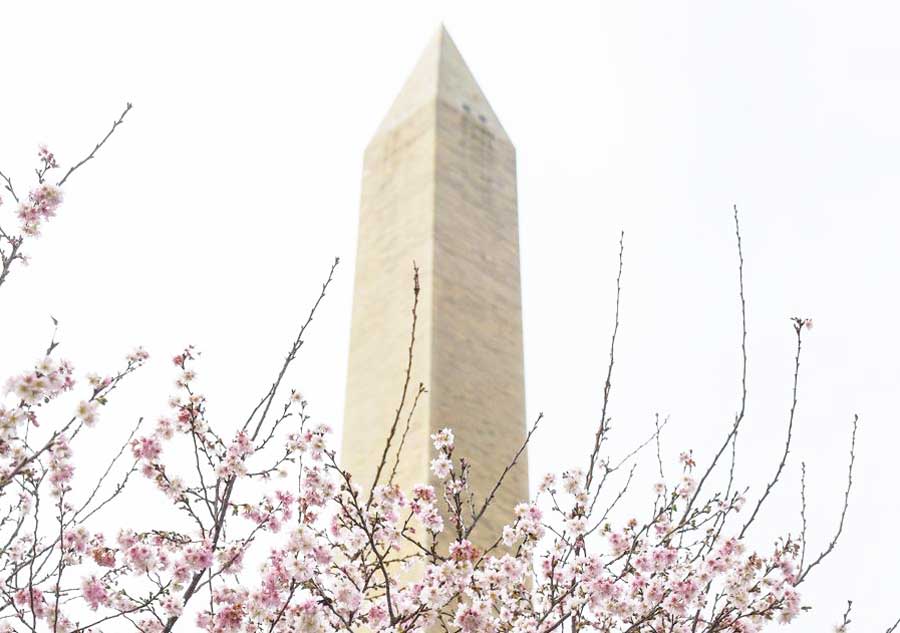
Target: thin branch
(659, 461)
(803, 513)
(90, 156)
(612, 505)
(509, 467)
(136, 608)
(740, 415)
(845, 622)
(412, 410)
(798, 328)
(609, 470)
(109, 469)
(53, 342)
(409, 361)
(9, 186)
(601, 430)
(893, 628)
(804, 573)
(266, 401)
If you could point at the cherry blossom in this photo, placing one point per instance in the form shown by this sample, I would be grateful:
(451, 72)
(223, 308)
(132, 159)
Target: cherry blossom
(264, 530)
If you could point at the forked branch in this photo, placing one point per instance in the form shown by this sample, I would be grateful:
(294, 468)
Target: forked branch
(831, 545)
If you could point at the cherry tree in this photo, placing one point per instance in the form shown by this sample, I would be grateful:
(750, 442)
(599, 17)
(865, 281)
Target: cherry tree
(277, 536)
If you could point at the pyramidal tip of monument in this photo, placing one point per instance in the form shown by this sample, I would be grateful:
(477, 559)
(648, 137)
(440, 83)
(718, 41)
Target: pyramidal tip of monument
(441, 75)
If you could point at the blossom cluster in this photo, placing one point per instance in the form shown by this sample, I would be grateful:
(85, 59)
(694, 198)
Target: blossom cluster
(338, 556)
(40, 206)
(36, 456)
(266, 531)
(276, 536)
(30, 390)
(351, 573)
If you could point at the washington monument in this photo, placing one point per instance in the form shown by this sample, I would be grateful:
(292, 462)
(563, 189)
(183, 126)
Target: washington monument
(439, 188)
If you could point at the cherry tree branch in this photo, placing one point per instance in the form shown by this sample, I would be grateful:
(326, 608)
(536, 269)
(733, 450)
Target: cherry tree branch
(97, 147)
(840, 528)
(406, 379)
(799, 324)
(607, 386)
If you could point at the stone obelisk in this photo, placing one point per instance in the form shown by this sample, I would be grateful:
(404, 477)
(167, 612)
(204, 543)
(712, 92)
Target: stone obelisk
(439, 188)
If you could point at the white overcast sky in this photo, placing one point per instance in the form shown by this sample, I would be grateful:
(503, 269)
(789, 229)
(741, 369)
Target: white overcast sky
(213, 214)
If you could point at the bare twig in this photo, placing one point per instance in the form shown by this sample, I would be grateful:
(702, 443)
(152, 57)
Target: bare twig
(412, 410)
(9, 186)
(798, 328)
(608, 470)
(803, 513)
(601, 429)
(409, 362)
(53, 342)
(659, 461)
(845, 622)
(805, 572)
(109, 468)
(509, 467)
(740, 415)
(893, 628)
(614, 502)
(90, 156)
